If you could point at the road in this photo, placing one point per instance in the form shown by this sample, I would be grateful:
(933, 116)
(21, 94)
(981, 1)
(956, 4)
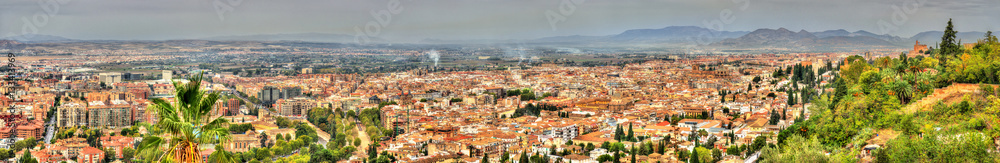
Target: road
(365, 139)
(50, 131)
(324, 137)
(753, 158)
(253, 105)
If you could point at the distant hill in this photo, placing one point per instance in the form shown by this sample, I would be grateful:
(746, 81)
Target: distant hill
(932, 37)
(675, 33)
(841, 32)
(671, 34)
(784, 38)
(36, 38)
(306, 37)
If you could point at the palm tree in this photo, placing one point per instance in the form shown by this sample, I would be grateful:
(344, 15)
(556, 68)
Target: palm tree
(184, 125)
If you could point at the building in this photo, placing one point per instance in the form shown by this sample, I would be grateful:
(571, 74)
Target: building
(307, 70)
(268, 95)
(233, 105)
(290, 92)
(243, 142)
(90, 155)
(116, 115)
(139, 108)
(32, 129)
(918, 50)
(298, 106)
(132, 76)
(71, 114)
(167, 75)
(110, 77)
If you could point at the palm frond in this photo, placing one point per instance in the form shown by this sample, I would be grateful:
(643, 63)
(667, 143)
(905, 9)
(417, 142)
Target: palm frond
(185, 123)
(164, 110)
(174, 127)
(150, 148)
(215, 135)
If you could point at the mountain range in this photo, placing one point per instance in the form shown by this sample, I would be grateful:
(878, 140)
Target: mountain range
(37, 38)
(305, 37)
(672, 35)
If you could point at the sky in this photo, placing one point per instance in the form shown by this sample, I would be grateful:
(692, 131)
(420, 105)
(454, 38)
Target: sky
(414, 20)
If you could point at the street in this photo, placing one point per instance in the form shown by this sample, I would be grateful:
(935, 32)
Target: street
(50, 131)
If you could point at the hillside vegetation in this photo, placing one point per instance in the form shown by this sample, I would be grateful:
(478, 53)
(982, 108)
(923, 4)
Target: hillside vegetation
(882, 102)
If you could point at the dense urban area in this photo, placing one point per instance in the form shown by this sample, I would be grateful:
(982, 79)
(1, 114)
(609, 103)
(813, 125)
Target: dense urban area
(281, 101)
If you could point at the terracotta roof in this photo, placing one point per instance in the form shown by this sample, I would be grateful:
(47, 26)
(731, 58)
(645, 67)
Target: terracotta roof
(90, 150)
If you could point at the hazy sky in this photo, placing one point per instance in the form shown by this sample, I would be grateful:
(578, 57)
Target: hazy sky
(475, 19)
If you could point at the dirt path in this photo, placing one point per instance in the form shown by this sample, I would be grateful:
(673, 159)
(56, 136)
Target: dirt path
(365, 139)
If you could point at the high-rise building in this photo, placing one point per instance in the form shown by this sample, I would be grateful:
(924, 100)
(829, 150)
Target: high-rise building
(291, 92)
(139, 110)
(117, 114)
(268, 95)
(233, 105)
(71, 114)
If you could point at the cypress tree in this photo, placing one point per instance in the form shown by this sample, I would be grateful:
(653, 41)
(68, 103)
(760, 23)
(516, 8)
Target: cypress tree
(633, 154)
(619, 133)
(524, 157)
(694, 156)
(630, 137)
(948, 47)
(505, 157)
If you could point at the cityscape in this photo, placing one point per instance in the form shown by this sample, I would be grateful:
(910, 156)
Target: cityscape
(455, 81)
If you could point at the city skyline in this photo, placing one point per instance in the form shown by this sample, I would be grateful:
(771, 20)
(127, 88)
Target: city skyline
(411, 21)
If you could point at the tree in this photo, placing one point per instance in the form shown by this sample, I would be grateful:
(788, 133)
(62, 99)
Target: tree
(505, 157)
(716, 154)
(733, 150)
(616, 158)
(694, 156)
(948, 46)
(184, 125)
(486, 158)
(604, 158)
(631, 136)
(619, 133)
(682, 154)
(6, 154)
(633, 155)
(524, 157)
(27, 158)
(25, 144)
(128, 154)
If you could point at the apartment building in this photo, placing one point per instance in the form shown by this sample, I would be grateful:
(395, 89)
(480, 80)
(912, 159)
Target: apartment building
(117, 114)
(294, 107)
(71, 114)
